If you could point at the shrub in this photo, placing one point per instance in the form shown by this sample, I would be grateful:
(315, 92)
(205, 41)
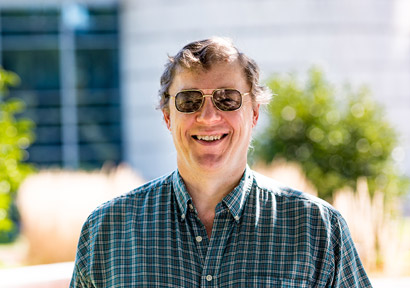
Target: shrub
(337, 135)
(15, 136)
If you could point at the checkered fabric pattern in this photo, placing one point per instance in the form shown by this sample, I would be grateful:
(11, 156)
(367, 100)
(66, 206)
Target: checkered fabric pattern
(263, 235)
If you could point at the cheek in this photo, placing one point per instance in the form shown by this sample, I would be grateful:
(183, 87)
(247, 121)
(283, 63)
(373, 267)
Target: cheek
(179, 125)
(250, 118)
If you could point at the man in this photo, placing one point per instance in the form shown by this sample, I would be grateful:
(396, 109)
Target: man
(214, 222)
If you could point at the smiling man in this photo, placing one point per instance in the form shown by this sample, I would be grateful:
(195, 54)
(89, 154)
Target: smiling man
(214, 222)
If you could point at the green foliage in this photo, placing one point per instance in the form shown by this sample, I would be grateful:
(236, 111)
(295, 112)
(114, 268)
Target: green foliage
(15, 136)
(336, 135)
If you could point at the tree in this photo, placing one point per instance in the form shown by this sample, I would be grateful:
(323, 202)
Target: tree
(337, 135)
(15, 137)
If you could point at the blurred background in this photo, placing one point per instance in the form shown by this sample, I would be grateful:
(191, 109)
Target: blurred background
(79, 125)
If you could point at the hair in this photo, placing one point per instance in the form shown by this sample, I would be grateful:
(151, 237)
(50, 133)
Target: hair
(202, 55)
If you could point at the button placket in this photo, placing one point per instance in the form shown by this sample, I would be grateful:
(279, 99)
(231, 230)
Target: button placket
(223, 225)
(202, 244)
(199, 234)
(208, 280)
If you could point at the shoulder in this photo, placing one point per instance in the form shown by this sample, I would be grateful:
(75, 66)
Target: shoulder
(134, 200)
(299, 208)
(311, 218)
(288, 198)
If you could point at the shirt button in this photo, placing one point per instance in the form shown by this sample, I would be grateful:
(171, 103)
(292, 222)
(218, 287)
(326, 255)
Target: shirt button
(208, 278)
(236, 217)
(191, 206)
(198, 239)
(183, 216)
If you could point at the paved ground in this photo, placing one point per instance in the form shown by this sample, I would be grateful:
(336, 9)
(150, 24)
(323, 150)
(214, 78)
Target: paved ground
(391, 282)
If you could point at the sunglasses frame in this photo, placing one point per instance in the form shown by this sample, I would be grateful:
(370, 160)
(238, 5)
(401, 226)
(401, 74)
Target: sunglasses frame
(212, 98)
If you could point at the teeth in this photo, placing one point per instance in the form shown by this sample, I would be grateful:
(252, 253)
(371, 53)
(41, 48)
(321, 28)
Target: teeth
(209, 138)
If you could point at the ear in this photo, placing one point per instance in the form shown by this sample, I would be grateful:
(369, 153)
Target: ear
(255, 116)
(167, 118)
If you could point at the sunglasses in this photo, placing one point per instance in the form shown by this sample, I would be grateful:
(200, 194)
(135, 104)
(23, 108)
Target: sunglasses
(225, 99)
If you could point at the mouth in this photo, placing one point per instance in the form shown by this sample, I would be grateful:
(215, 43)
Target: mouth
(209, 138)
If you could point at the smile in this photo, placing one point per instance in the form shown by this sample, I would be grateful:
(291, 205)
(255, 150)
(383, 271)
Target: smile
(209, 138)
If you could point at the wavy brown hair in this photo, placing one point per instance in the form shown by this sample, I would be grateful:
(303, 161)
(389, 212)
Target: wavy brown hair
(202, 55)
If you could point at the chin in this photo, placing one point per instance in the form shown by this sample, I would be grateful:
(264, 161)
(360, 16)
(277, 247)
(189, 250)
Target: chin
(211, 162)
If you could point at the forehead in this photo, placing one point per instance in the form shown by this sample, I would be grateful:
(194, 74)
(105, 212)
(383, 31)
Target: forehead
(220, 75)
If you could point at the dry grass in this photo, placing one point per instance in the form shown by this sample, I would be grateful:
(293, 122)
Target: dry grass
(382, 240)
(381, 236)
(54, 205)
(287, 173)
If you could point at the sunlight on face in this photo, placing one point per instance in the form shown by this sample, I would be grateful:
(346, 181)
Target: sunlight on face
(210, 139)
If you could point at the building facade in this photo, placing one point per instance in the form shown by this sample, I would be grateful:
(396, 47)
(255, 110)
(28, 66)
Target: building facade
(105, 99)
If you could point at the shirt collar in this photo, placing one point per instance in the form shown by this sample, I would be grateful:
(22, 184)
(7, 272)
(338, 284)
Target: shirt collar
(181, 193)
(235, 201)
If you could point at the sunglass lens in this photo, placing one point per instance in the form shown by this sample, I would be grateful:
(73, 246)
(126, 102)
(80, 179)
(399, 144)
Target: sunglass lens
(188, 101)
(227, 99)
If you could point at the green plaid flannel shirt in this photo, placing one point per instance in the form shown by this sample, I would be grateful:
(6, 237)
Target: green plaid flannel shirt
(263, 235)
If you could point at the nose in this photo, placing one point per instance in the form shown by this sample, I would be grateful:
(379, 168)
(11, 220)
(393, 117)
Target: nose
(208, 112)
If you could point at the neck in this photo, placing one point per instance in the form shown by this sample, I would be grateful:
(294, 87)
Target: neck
(208, 188)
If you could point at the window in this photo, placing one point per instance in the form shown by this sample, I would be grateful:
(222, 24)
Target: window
(68, 60)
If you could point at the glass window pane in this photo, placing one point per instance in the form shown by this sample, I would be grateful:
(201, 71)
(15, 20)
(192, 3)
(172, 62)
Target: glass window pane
(29, 21)
(100, 115)
(32, 98)
(30, 43)
(99, 133)
(48, 134)
(98, 153)
(38, 69)
(45, 155)
(100, 21)
(44, 115)
(97, 69)
(98, 97)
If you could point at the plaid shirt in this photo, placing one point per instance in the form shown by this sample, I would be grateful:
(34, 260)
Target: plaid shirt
(263, 235)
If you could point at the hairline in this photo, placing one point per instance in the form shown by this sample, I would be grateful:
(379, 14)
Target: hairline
(179, 68)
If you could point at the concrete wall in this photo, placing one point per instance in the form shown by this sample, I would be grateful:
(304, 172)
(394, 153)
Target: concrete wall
(363, 42)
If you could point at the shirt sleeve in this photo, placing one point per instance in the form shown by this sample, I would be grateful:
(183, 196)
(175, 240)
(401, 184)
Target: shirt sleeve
(348, 269)
(80, 277)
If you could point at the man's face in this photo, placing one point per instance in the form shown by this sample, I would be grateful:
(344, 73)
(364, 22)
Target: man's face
(228, 133)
